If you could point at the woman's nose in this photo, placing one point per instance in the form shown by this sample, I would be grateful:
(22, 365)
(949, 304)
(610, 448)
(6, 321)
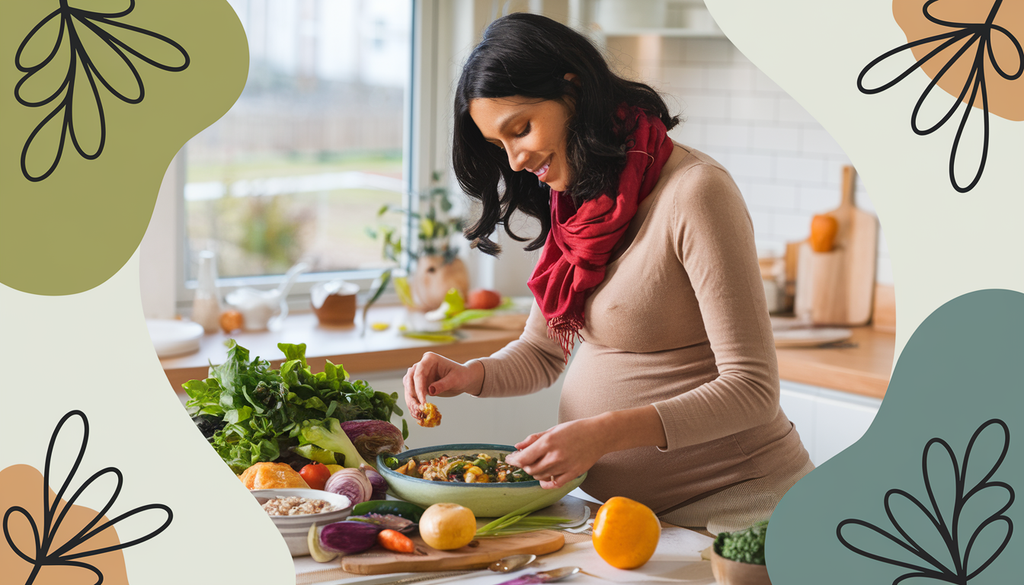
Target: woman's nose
(517, 159)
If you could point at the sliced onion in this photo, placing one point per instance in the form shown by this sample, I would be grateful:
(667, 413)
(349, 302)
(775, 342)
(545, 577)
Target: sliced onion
(351, 483)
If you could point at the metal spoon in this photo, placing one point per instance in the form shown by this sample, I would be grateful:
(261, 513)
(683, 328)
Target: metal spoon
(512, 563)
(543, 576)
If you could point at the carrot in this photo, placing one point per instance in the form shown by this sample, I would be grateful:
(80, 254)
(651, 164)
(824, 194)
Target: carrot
(395, 541)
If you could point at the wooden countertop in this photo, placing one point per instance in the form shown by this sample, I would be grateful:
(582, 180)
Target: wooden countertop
(360, 354)
(861, 366)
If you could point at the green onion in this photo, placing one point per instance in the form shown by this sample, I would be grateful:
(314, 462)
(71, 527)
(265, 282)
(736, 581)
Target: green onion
(513, 523)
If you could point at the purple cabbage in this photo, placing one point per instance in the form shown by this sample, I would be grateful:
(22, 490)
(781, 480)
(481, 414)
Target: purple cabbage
(373, 437)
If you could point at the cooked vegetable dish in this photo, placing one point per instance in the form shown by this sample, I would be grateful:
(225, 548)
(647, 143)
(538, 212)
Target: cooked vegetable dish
(480, 468)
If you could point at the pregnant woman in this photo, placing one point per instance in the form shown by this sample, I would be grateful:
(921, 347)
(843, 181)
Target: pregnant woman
(648, 280)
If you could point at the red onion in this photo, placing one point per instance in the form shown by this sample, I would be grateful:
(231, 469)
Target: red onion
(377, 482)
(351, 483)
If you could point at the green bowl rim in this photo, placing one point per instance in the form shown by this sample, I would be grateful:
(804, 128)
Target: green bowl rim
(389, 473)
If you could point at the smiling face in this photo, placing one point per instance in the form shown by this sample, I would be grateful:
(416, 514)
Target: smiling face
(532, 132)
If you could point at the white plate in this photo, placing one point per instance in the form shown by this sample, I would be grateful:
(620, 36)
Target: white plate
(810, 337)
(171, 337)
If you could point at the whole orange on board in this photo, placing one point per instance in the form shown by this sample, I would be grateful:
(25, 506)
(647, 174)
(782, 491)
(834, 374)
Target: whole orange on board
(626, 533)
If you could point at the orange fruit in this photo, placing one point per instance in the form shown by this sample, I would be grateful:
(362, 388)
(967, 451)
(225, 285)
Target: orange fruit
(484, 299)
(823, 232)
(626, 533)
(231, 321)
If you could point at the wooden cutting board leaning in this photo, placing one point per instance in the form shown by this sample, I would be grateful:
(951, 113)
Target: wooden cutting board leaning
(836, 287)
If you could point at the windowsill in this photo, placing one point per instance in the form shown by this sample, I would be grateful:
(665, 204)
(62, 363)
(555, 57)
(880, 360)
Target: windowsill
(376, 351)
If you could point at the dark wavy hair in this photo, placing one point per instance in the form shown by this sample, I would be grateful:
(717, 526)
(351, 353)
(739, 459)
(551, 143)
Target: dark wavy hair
(529, 55)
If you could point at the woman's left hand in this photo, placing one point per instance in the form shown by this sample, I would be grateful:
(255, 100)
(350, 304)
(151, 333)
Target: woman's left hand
(560, 454)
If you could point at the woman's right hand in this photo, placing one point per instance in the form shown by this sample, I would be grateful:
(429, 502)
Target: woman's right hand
(435, 375)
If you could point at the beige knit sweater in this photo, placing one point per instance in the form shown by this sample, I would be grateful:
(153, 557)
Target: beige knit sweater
(681, 322)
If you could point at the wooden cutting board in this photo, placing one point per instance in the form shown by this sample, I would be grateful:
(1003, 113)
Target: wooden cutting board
(836, 288)
(378, 560)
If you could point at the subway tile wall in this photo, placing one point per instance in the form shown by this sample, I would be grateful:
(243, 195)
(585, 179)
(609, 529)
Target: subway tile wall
(787, 166)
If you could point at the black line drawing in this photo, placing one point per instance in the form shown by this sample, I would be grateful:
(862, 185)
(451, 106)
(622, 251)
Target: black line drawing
(42, 556)
(103, 25)
(970, 33)
(948, 528)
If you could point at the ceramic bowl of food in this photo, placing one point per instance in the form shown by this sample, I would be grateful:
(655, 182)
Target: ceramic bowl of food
(295, 510)
(487, 500)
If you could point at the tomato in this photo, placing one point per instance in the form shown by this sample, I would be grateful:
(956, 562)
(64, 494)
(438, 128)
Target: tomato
(316, 475)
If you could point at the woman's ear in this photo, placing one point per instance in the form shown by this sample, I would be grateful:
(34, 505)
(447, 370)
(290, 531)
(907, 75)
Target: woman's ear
(575, 79)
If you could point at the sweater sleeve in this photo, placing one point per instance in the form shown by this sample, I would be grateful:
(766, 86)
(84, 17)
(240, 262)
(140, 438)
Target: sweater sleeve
(529, 364)
(714, 240)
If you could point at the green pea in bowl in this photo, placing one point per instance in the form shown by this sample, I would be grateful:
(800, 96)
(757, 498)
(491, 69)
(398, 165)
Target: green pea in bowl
(486, 500)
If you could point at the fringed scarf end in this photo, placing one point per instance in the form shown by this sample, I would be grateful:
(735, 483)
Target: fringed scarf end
(565, 329)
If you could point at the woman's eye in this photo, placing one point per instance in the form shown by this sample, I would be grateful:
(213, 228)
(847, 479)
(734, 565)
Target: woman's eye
(525, 131)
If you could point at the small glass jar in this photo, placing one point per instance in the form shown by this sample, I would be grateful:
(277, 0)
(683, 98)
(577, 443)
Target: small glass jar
(206, 307)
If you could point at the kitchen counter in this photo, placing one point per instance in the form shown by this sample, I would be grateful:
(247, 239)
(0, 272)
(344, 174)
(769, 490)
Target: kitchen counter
(860, 366)
(376, 351)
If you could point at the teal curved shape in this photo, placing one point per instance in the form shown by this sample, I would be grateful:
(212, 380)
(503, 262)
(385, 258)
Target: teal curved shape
(936, 473)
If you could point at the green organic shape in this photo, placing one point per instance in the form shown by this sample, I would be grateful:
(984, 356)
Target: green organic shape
(926, 496)
(97, 99)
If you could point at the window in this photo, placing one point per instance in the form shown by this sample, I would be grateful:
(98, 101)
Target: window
(314, 146)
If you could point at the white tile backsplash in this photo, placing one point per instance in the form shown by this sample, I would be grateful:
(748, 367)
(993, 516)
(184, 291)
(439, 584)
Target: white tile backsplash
(786, 164)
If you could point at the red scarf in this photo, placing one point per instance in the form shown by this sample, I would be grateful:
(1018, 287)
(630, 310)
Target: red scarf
(581, 241)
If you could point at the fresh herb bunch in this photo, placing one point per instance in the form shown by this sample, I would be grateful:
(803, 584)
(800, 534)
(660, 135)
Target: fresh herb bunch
(251, 412)
(745, 546)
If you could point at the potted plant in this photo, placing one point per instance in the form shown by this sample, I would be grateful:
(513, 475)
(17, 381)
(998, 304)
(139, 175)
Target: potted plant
(436, 267)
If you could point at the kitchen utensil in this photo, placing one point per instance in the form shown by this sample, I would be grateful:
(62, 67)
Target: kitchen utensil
(730, 572)
(486, 500)
(836, 287)
(171, 337)
(258, 307)
(334, 303)
(295, 529)
(543, 576)
(512, 563)
(378, 560)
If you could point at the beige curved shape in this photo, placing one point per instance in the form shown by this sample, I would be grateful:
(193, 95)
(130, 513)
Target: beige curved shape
(1005, 97)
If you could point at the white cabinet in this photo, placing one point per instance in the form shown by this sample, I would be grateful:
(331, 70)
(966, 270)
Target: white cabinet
(828, 421)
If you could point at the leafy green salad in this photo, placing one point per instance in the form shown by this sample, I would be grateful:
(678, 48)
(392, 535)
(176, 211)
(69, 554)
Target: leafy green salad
(251, 412)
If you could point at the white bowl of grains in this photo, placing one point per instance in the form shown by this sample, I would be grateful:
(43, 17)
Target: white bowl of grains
(295, 510)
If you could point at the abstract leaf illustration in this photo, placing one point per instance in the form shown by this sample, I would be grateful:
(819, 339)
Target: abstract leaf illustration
(69, 58)
(59, 536)
(965, 515)
(970, 52)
